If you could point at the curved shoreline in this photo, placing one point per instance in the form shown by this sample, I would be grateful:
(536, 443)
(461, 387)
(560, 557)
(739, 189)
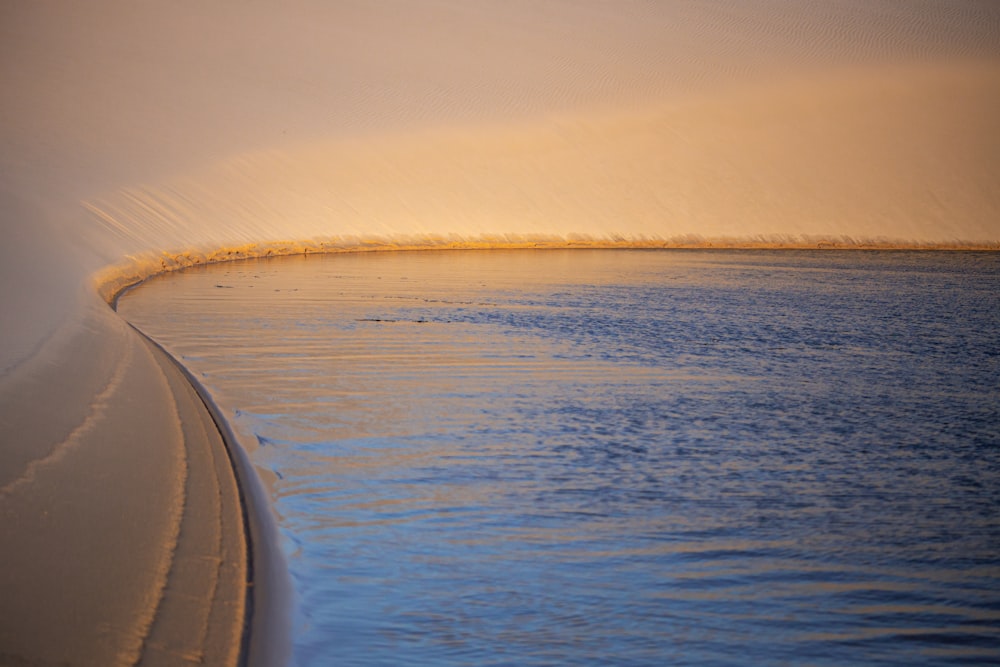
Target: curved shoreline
(265, 636)
(233, 278)
(137, 529)
(113, 281)
(113, 476)
(120, 508)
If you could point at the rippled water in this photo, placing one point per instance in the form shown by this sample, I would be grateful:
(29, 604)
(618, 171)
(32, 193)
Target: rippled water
(617, 457)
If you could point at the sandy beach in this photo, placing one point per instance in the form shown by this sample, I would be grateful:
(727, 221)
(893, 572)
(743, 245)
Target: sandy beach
(139, 138)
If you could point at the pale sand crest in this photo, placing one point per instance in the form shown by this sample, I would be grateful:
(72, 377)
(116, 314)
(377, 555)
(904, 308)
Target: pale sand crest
(140, 137)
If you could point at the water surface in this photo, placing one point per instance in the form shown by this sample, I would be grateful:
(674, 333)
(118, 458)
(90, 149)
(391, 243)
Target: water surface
(616, 457)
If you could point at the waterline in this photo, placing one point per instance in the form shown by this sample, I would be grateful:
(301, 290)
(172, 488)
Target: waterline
(579, 456)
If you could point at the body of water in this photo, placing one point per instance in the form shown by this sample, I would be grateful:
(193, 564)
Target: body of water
(616, 457)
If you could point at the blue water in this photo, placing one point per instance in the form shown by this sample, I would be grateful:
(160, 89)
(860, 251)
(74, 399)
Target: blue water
(617, 457)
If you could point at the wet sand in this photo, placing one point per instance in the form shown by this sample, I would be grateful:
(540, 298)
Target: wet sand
(139, 138)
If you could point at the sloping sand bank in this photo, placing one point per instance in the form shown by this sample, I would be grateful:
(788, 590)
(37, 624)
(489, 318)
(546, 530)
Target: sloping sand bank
(124, 540)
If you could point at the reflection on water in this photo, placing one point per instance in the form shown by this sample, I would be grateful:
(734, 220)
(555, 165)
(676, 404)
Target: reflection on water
(617, 457)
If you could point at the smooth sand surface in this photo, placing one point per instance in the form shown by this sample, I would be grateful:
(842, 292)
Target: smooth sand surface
(137, 137)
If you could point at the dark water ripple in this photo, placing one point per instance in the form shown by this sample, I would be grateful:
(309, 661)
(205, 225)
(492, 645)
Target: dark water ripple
(628, 458)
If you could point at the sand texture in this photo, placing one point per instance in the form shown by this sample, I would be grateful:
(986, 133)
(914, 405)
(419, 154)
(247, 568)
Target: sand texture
(141, 137)
(123, 532)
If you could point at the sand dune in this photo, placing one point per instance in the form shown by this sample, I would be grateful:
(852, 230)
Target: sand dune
(143, 135)
(901, 153)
